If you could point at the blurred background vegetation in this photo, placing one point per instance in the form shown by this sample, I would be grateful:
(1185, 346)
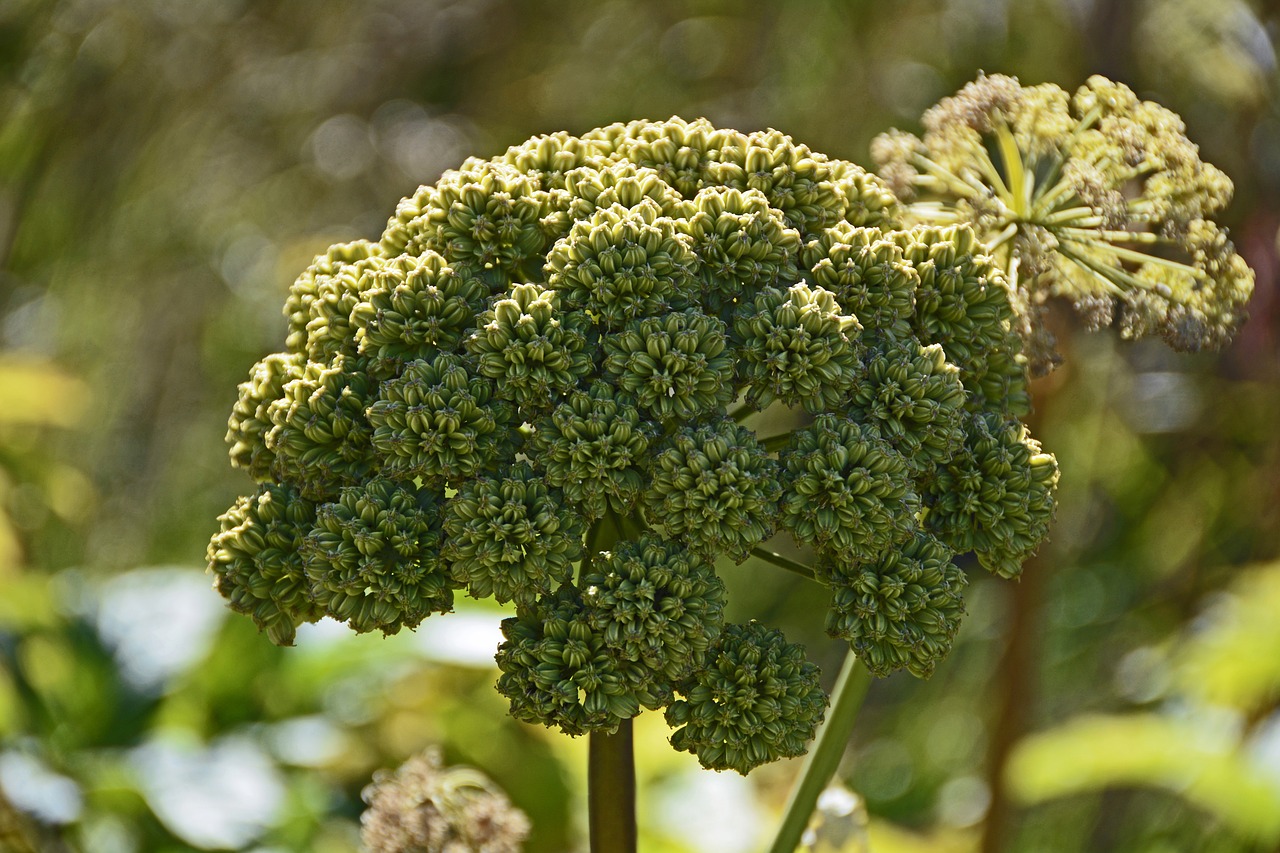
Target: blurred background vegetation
(168, 166)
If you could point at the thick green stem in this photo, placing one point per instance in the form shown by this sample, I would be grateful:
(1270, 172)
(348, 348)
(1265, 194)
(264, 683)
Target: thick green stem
(825, 753)
(611, 771)
(611, 791)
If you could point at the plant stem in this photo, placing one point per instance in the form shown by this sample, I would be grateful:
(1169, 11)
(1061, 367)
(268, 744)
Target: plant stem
(611, 791)
(825, 753)
(611, 771)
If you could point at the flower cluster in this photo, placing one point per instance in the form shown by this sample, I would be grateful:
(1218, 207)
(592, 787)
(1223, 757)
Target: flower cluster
(755, 700)
(1097, 197)
(539, 386)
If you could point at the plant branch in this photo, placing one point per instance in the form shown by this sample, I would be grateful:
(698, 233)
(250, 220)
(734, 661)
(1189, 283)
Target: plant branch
(784, 563)
(825, 753)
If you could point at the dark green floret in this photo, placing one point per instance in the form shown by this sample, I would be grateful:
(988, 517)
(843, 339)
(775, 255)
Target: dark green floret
(373, 557)
(900, 611)
(756, 700)
(715, 489)
(256, 560)
(510, 536)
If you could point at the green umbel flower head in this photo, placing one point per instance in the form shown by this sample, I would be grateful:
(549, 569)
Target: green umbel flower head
(900, 611)
(594, 447)
(557, 670)
(532, 352)
(847, 491)
(996, 497)
(511, 536)
(413, 307)
(655, 603)
(715, 489)
(677, 366)
(755, 700)
(256, 560)
(576, 375)
(373, 557)
(797, 346)
(439, 421)
(1096, 197)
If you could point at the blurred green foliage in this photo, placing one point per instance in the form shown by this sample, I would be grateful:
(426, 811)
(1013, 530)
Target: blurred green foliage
(167, 168)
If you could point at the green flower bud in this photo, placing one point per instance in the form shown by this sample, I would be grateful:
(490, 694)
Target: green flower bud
(249, 423)
(557, 670)
(256, 561)
(676, 366)
(413, 308)
(757, 699)
(742, 245)
(900, 611)
(996, 497)
(913, 395)
(534, 353)
(846, 490)
(439, 421)
(594, 447)
(511, 536)
(323, 296)
(373, 558)
(795, 346)
(868, 275)
(622, 264)
(319, 434)
(963, 304)
(656, 604)
(714, 488)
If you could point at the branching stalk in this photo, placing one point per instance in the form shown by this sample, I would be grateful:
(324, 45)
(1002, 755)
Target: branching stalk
(784, 563)
(825, 753)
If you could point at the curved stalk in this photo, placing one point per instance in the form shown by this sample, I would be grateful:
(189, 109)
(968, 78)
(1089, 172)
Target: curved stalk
(825, 753)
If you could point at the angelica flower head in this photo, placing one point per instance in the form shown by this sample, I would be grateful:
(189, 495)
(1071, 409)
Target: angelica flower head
(544, 385)
(1097, 197)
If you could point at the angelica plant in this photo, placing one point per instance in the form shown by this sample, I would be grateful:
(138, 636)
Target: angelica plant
(540, 385)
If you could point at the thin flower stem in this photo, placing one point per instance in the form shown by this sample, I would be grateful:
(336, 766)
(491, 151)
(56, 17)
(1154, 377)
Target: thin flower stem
(1137, 257)
(825, 753)
(784, 563)
(743, 412)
